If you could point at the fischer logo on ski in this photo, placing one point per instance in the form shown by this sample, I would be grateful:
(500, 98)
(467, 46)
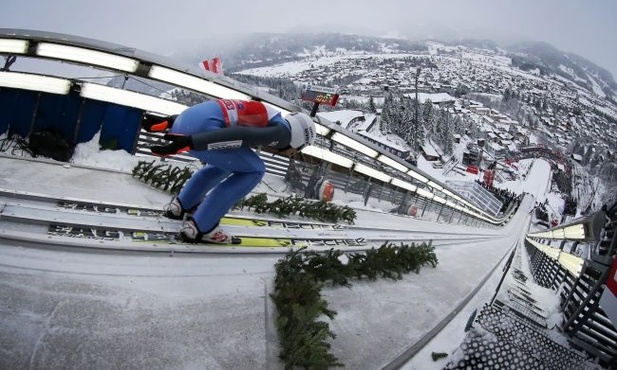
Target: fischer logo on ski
(106, 234)
(227, 220)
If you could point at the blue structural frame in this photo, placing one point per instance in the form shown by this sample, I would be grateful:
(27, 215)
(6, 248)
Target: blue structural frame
(17, 107)
(75, 118)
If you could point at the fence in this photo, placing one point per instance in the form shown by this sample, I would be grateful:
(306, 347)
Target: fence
(304, 178)
(581, 282)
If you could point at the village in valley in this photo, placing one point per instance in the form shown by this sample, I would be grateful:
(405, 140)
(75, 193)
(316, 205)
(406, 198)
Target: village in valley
(501, 110)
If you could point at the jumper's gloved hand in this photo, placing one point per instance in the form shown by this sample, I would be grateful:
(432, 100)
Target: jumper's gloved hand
(179, 143)
(154, 123)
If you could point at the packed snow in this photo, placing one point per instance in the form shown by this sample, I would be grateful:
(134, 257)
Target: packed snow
(170, 287)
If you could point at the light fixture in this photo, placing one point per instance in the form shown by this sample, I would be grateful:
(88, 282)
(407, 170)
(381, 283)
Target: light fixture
(551, 252)
(130, 98)
(13, 46)
(327, 156)
(87, 56)
(347, 141)
(447, 192)
(574, 232)
(542, 234)
(451, 204)
(435, 185)
(417, 176)
(404, 185)
(372, 172)
(322, 130)
(424, 193)
(27, 81)
(195, 83)
(392, 163)
(572, 263)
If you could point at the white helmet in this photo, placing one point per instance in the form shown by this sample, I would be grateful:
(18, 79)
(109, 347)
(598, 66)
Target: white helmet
(302, 129)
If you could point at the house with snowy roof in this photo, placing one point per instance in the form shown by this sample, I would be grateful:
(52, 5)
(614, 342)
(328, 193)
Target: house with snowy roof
(440, 99)
(429, 153)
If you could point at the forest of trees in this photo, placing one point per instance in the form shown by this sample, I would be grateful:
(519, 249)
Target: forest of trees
(416, 122)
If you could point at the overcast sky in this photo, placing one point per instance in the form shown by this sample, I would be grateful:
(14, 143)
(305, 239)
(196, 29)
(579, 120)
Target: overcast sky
(587, 28)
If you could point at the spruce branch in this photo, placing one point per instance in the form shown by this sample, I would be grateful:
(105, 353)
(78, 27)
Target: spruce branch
(298, 206)
(300, 277)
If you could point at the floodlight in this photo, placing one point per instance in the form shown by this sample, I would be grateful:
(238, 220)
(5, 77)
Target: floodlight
(327, 156)
(392, 163)
(543, 234)
(574, 232)
(372, 172)
(87, 56)
(439, 199)
(572, 263)
(13, 46)
(424, 193)
(447, 192)
(27, 81)
(417, 176)
(404, 185)
(435, 185)
(195, 83)
(130, 98)
(451, 204)
(349, 142)
(321, 129)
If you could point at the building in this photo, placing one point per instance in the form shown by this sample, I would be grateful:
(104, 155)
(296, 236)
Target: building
(429, 153)
(440, 99)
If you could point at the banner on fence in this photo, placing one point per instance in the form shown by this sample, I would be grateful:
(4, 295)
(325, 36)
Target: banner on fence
(608, 301)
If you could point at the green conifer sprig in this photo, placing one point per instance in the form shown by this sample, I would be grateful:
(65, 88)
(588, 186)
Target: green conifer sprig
(301, 275)
(299, 304)
(172, 178)
(162, 176)
(392, 262)
(327, 267)
(298, 206)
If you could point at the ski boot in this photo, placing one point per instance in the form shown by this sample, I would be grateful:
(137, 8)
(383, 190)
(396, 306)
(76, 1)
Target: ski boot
(191, 234)
(175, 211)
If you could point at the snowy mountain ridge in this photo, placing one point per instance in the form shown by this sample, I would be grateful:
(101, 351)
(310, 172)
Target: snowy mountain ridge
(270, 49)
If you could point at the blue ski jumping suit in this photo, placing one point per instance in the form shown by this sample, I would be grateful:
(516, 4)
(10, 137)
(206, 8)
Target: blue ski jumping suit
(232, 169)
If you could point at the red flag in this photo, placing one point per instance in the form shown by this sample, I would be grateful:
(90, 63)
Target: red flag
(488, 177)
(206, 65)
(217, 66)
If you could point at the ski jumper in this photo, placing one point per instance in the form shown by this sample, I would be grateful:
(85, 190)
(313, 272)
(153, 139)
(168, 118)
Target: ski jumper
(223, 133)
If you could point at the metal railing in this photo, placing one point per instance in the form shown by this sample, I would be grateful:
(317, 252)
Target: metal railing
(580, 282)
(383, 196)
